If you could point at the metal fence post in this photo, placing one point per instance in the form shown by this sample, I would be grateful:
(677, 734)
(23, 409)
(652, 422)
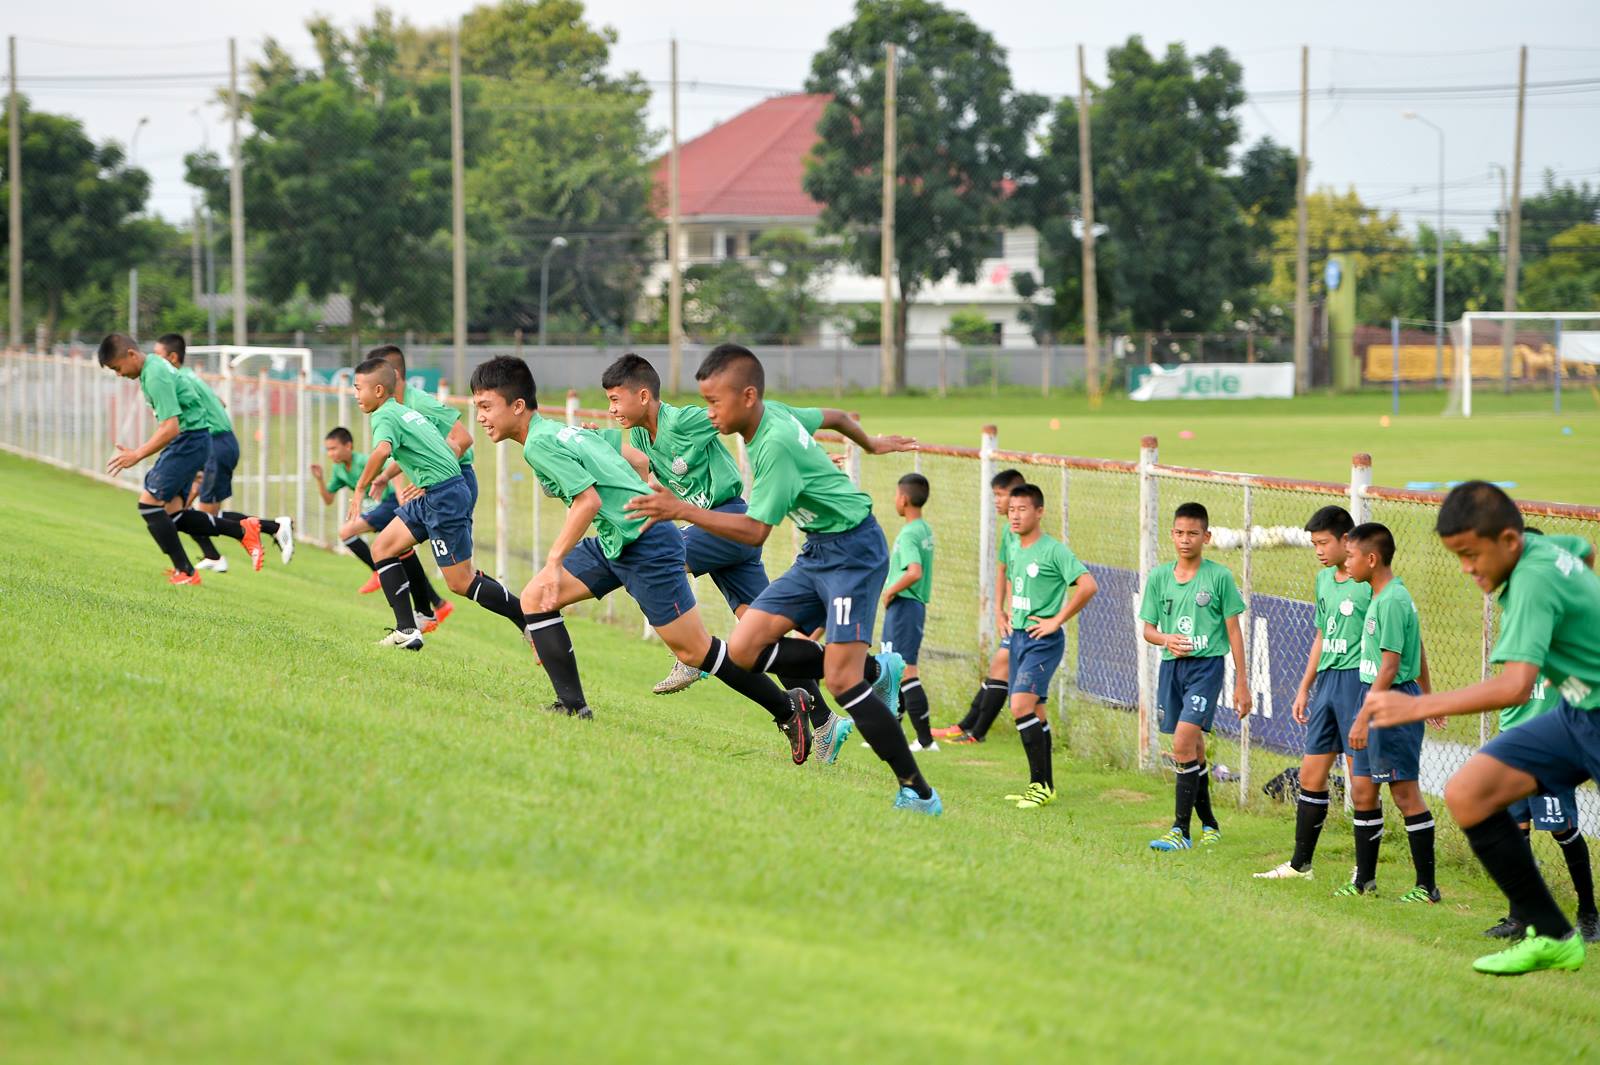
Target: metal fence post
(987, 444)
(572, 407)
(302, 447)
(1360, 481)
(1247, 633)
(263, 439)
(1148, 505)
(502, 508)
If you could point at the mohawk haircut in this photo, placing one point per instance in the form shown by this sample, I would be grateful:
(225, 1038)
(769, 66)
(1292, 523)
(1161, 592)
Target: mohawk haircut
(1478, 507)
(1374, 536)
(631, 371)
(382, 370)
(737, 360)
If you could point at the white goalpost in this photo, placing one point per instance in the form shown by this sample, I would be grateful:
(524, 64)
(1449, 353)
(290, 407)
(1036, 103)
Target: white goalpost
(1563, 346)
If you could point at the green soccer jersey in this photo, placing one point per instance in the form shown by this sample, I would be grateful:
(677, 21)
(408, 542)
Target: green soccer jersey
(914, 544)
(1549, 615)
(441, 414)
(347, 476)
(810, 417)
(567, 460)
(1341, 611)
(1544, 698)
(687, 455)
(1005, 544)
(1198, 608)
(414, 443)
(794, 477)
(1040, 574)
(217, 420)
(171, 394)
(1391, 625)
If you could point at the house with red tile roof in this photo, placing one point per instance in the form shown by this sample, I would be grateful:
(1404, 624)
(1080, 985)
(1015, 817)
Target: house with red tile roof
(744, 177)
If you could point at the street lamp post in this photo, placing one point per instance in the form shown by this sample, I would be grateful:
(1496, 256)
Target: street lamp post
(1438, 271)
(133, 271)
(556, 244)
(210, 257)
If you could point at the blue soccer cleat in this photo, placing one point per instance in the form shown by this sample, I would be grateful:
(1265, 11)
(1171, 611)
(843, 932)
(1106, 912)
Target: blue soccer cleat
(1174, 840)
(891, 667)
(908, 800)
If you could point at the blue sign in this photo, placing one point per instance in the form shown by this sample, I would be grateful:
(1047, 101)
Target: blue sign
(1332, 274)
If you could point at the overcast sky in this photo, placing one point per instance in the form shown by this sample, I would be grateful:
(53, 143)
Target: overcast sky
(1357, 43)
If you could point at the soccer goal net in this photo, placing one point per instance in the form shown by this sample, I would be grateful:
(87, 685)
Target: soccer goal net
(1540, 350)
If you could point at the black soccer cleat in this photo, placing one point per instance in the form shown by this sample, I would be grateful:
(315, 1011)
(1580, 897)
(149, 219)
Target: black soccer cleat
(797, 729)
(1589, 927)
(583, 712)
(1508, 928)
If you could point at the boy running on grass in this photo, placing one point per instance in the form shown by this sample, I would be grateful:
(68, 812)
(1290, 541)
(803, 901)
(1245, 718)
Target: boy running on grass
(836, 580)
(216, 483)
(1188, 606)
(436, 507)
(1549, 615)
(643, 557)
(1556, 814)
(991, 694)
(183, 443)
(1329, 694)
(1042, 569)
(905, 601)
(1392, 659)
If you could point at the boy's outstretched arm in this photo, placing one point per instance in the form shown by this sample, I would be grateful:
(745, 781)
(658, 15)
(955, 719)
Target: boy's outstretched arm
(1512, 687)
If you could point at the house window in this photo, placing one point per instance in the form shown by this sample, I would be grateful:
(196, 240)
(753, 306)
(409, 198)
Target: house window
(730, 246)
(995, 245)
(751, 238)
(700, 248)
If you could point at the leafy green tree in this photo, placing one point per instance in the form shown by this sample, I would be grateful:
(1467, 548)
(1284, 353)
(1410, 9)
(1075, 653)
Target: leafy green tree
(1474, 280)
(775, 295)
(79, 199)
(961, 138)
(1568, 277)
(1371, 241)
(1553, 210)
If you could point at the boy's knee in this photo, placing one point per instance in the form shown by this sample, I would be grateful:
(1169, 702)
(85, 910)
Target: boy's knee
(457, 582)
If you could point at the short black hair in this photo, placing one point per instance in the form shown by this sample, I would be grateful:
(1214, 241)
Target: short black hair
(631, 371)
(382, 368)
(340, 435)
(915, 488)
(1375, 536)
(1196, 511)
(1029, 491)
(174, 343)
(738, 360)
(391, 354)
(115, 346)
(1532, 530)
(1007, 479)
(1331, 519)
(510, 377)
(1479, 507)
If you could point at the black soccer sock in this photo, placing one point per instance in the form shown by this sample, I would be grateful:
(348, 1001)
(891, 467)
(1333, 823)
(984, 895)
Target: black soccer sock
(1509, 862)
(1036, 745)
(424, 600)
(1188, 783)
(201, 535)
(392, 575)
(208, 547)
(757, 687)
(548, 634)
(1419, 833)
(884, 735)
(268, 526)
(792, 657)
(165, 534)
(1202, 797)
(496, 598)
(1310, 814)
(995, 696)
(819, 706)
(870, 669)
(915, 699)
(1575, 849)
(358, 547)
(969, 720)
(1368, 826)
(198, 523)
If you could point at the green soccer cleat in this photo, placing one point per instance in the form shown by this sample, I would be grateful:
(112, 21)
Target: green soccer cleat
(1210, 835)
(1533, 953)
(1174, 840)
(1421, 894)
(1352, 889)
(1036, 796)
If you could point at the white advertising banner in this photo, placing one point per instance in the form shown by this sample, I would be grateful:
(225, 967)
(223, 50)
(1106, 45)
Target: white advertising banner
(1218, 380)
(1580, 346)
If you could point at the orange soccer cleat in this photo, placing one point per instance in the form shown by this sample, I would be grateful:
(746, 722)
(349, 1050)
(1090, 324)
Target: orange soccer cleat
(252, 542)
(175, 577)
(373, 584)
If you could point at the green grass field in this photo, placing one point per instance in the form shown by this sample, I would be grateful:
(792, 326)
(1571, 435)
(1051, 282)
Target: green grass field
(235, 831)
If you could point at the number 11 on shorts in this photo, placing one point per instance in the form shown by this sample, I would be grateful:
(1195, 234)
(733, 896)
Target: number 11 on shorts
(841, 610)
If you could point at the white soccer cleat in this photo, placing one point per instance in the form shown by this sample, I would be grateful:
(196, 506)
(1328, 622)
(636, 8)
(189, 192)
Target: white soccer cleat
(1285, 872)
(216, 565)
(681, 677)
(285, 537)
(916, 746)
(405, 639)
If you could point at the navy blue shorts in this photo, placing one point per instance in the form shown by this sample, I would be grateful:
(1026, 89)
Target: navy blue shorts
(1034, 662)
(1547, 813)
(835, 581)
(381, 513)
(1560, 748)
(1004, 644)
(651, 569)
(1187, 690)
(173, 474)
(471, 477)
(442, 518)
(1335, 700)
(902, 627)
(735, 568)
(218, 484)
(1393, 755)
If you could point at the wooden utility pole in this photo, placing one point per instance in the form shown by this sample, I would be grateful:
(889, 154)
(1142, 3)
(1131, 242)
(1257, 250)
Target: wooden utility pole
(196, 285)
(888, 375)
(1508, 329)
(14, 179)
(1091, 296)
(1302, 265)
(458, 217)
(674, 248)
(236, 198)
